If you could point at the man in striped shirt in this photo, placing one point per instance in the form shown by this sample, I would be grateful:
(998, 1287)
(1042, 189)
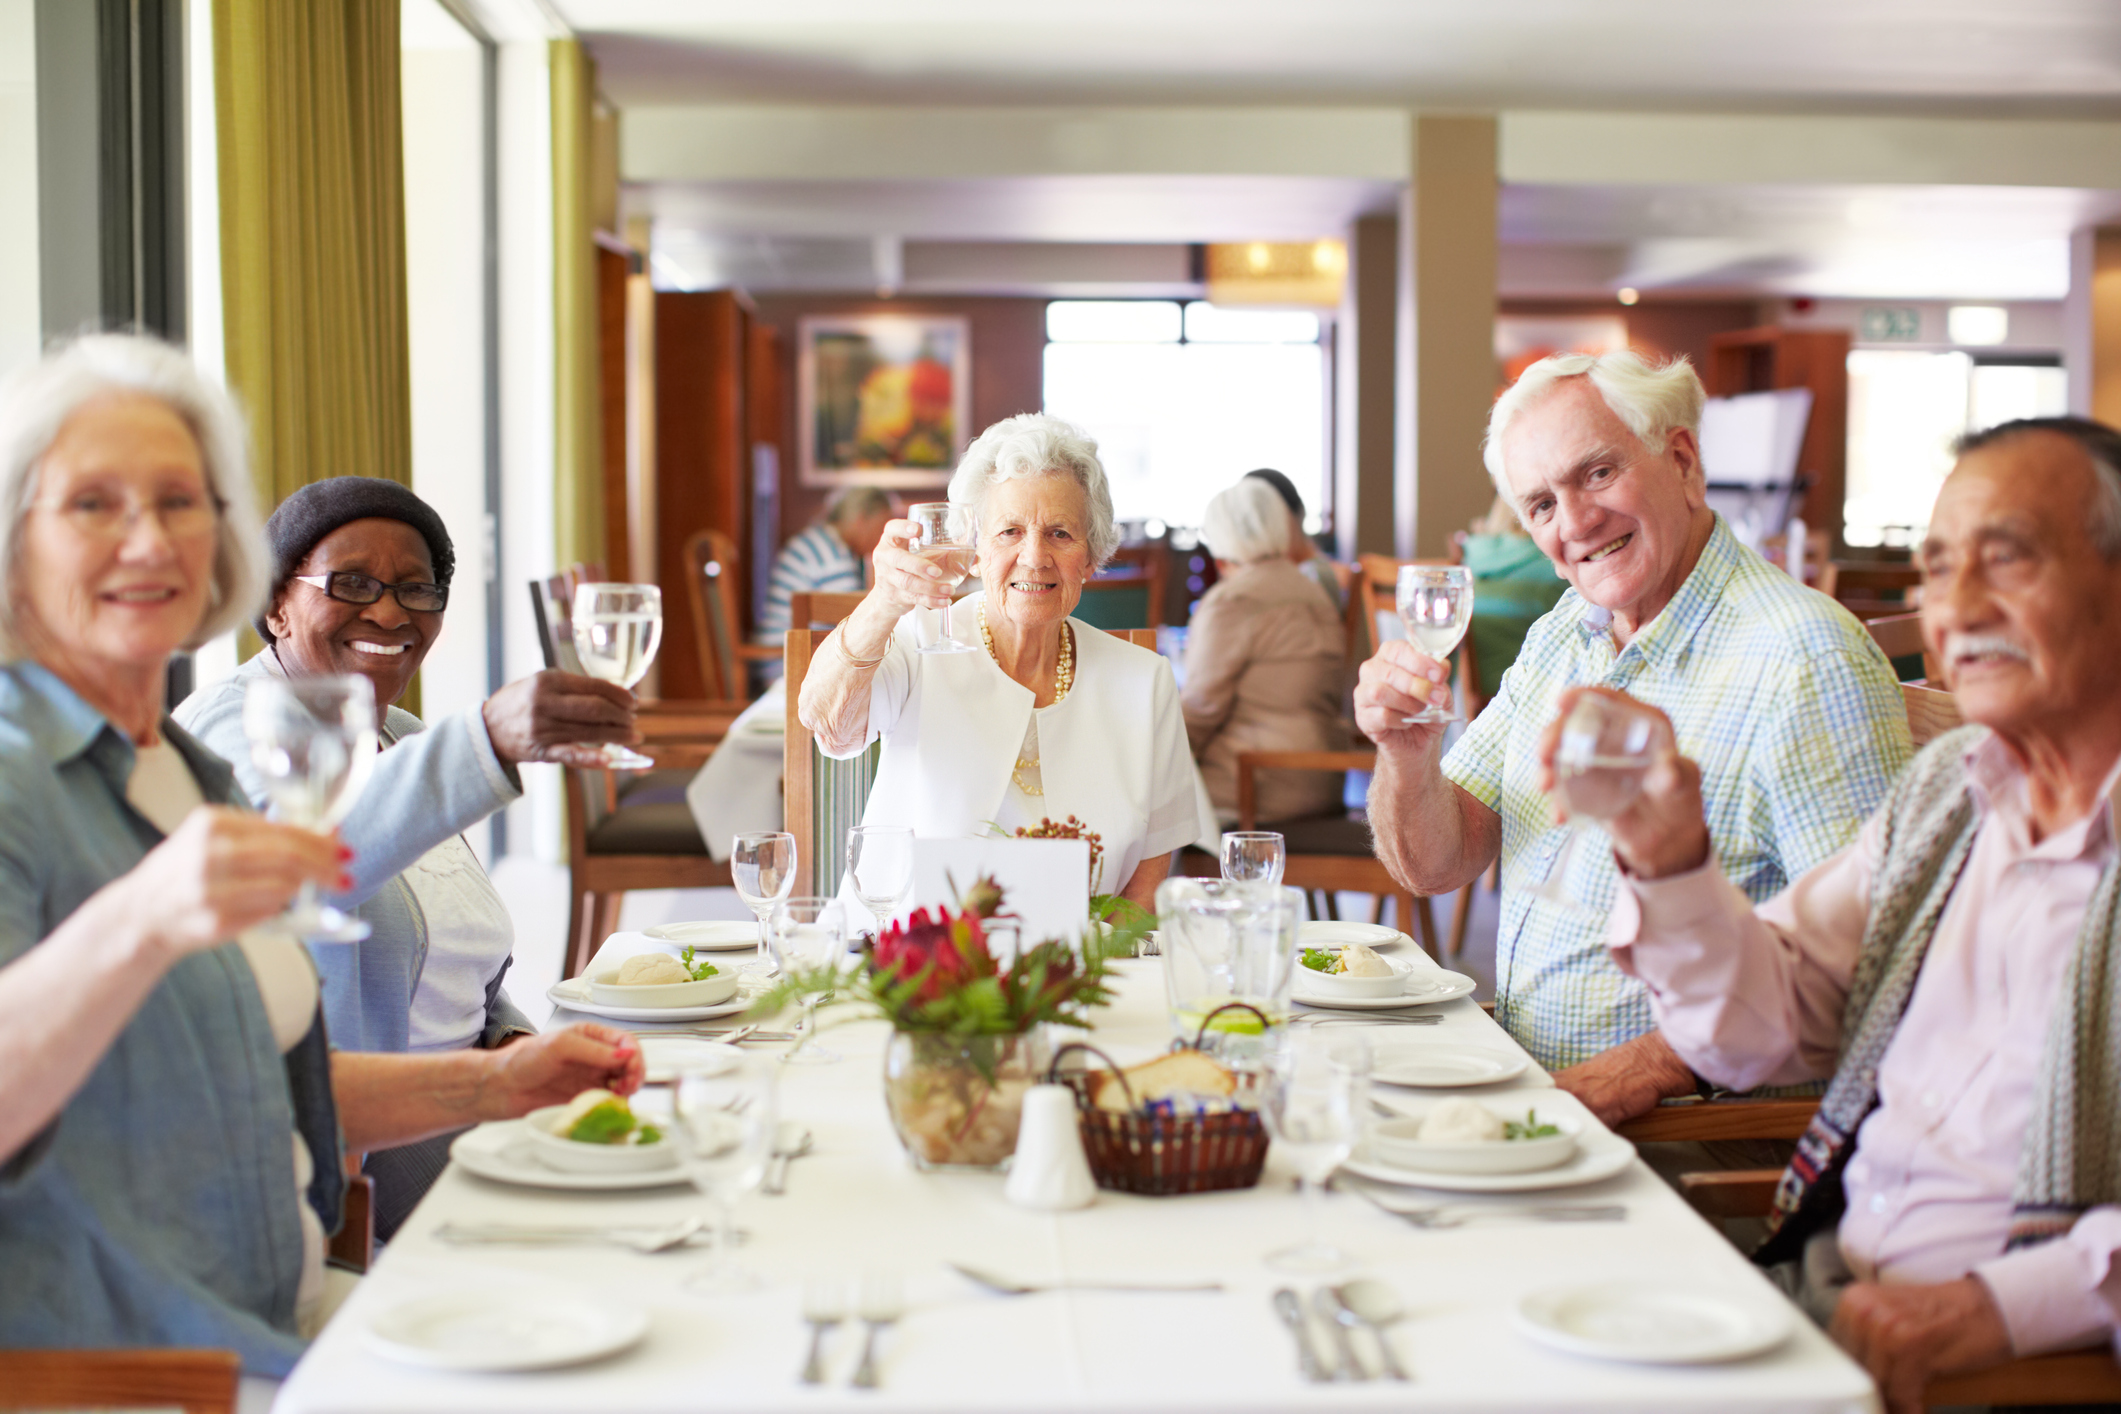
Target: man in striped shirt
(1775, 689)
(831, 557)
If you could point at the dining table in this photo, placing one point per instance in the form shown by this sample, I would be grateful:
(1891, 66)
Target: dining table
(855, 1209)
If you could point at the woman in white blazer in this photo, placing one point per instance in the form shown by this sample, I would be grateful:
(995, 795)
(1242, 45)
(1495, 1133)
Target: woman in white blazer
(1052, 718)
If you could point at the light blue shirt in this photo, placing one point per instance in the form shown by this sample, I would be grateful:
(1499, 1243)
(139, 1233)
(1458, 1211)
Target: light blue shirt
(816, 561)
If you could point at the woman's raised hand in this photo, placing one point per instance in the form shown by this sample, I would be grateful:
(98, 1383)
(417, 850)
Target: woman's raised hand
(224, 870)
(903, 578)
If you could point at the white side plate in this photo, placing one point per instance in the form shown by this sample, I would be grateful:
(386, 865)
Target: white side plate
(574, 995)
(710, 936)
(1329, 934)
(1652, 1323)
(502, 1152)
(1599, 1154)
(1424, 988)
(492, 1329)
(1443, 1067)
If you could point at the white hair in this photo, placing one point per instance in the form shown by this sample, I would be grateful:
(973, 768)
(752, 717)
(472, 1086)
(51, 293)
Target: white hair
(1247, 522)
(1653, 400)
(36, 402)
(1034, 444)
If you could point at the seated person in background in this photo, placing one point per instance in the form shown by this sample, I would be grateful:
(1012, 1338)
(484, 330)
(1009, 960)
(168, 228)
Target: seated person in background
(1265, 661)
(1957, 1200)
(360, 577)
(1514, 586)
(173, 1118)
(1778, 692)
(1054, 718)
(1302, 552)
(827, 558)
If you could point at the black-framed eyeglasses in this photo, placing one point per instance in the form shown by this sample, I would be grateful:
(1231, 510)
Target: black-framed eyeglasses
(414, 596)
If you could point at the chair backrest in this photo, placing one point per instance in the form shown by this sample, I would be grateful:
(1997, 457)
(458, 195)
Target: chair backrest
(809, 609)
(195, 1381)
(1899, 637)
(712, 573)
(1931, 712)
(1128, 592)
(1377, 590)
(822, 798)
(1868, 590)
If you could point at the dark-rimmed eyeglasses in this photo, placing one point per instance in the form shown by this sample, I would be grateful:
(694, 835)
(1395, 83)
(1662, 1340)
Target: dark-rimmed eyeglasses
(413, 596)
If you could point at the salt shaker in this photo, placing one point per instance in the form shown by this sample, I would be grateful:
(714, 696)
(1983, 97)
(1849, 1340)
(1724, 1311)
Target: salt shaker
(1049, 1171)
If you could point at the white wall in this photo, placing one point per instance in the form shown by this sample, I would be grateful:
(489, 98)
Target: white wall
(21, 314)
(445, 219)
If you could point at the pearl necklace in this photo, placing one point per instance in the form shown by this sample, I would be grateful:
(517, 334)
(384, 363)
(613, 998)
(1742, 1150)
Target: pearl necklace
(1063, 679)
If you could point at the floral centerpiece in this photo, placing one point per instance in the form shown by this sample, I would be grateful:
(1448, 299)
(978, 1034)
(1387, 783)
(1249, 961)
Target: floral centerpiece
(967, 1032)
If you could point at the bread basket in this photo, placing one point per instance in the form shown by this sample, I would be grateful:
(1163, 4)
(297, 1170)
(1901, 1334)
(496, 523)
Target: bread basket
(1164, 1154)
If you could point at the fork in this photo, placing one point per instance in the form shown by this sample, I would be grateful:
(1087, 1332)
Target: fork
(1004, 1287)
(1459, 1214)
(882, 1302)
(640, 1239)
(823, 1307)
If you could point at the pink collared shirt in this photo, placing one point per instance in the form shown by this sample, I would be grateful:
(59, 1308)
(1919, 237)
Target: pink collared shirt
(1751, 997)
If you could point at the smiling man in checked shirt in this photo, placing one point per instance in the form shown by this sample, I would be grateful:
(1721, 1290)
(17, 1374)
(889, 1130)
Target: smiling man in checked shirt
(1775, 689)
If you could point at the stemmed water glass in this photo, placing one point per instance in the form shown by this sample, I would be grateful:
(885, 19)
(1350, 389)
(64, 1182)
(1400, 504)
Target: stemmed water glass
(880, 868)
(313, 740)
(807, 934)
(1254, 855)
(1599, 766)
(947, 537)
(762, 866)
(724, 1121)
(1313, 1096)
(1437, 603)
(617, 628)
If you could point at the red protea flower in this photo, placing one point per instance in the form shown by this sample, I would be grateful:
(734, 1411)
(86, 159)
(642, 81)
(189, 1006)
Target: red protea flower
(949, 951)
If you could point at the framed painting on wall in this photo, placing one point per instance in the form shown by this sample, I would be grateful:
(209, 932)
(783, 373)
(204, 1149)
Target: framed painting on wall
(882, 399)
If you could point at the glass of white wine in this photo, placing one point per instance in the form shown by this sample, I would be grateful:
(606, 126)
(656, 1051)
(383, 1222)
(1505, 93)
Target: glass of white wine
(617, 628)
(947, 537)
(1599, 766)
(762, 867)
(314, 742)
(1437, 603)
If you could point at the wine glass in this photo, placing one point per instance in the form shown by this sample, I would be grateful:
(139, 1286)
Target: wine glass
(1599, 766)
(946, 536)
(1437, 603)
(314, 741)
(880, 868)
(1254, 855)
(808, 933)
(617, 628)
(723, 1121)
(762, 866)
(1313, 1095)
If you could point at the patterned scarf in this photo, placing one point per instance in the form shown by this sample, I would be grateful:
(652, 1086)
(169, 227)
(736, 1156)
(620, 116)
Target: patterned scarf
(2071, 1159)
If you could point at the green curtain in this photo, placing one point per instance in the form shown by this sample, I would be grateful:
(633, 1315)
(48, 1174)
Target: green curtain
(577, 462)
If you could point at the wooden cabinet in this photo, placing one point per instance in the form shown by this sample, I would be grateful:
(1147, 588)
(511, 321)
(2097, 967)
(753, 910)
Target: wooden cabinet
(1764, 359)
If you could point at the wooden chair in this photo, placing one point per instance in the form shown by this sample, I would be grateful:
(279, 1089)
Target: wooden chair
(195, 1381)
(2072, 1377)
(713, 574)
(1134, 569)
(1899, 637)
(1931, 712)
(355, 1241)
(1870, 590)
(1333, 852)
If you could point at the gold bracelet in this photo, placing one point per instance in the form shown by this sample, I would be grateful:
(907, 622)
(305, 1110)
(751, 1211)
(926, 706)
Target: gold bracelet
(854, 662)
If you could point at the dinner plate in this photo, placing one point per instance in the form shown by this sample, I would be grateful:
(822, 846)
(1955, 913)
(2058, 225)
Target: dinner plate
(665, 1055)
(1424, 988)
(1599, 1154)
(502, 1152)
(1652, 1323)
(492, 1329)
(709, 936)
(1333, 935)
(1443, 1067)
(574, 995)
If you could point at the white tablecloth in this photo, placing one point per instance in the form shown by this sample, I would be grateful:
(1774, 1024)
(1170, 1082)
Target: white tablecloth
(739, 789)
(855, 1205)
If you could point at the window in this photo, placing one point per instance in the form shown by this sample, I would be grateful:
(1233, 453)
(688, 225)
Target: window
(1906, 409)
(1185, 400)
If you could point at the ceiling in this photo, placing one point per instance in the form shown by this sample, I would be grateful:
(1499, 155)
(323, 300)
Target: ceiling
(2048, 57)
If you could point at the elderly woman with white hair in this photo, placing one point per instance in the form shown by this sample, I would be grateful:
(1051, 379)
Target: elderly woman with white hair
(173, 1120)
(1053, 718)
(1265, 660)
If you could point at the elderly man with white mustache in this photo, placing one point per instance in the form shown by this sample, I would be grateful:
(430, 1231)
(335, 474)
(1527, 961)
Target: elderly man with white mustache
(1957, 969)
(1775, 688)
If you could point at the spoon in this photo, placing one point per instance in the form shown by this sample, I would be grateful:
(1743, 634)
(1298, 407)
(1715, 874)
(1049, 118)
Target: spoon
(1290, 1307)
(1376, 1306)
(790, 1141)
(1341, 1321)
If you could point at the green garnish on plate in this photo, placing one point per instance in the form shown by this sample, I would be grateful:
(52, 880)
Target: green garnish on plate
(700, 971)
(1319, 959)
(1530, 1129)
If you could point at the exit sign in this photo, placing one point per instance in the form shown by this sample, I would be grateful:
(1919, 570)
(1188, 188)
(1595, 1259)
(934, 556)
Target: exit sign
(1890, 324)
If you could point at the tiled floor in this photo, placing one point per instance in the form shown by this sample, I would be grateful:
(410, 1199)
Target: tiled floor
(536, 894)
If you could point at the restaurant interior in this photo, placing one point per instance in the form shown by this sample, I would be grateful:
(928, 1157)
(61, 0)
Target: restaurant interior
(641, 290)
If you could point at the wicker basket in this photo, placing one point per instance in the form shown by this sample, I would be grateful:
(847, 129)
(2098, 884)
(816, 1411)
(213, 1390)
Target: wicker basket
(1164, 1154)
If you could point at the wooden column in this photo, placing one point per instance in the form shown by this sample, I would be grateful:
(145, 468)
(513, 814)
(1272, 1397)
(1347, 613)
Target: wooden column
(703, 459)
(2092, 325)
(1366, 351)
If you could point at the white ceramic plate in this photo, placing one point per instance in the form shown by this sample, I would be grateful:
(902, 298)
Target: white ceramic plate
(1328, 934)
(665, 1055)
(1443, 1067)
(1652, 1324)
(1335, 984)
(502, 1152)
(492, 1329)
(1397, 1142)
(565, 1154)
(1599, 1154)
(574, 995)
(1424, 988)
(711, 936)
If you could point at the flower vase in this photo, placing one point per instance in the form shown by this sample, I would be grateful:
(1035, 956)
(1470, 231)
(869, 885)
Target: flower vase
(956, 1101)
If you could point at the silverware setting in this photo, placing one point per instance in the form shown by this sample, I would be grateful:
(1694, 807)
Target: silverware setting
(640, 1239)
(1374, 1018)
(1442, 1215)
(1290, 1307)
(790, 1141)
(824, 1306)
(882, 1302)
(1345, 1309)
(1002, 1286)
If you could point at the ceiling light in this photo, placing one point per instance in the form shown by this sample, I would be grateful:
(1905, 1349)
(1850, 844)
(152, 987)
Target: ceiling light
(1977, 323)
(1629, 294)
(1259, 257)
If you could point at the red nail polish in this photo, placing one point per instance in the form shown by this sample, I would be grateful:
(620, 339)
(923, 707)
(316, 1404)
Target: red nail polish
(345, 881)
(345, 853)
